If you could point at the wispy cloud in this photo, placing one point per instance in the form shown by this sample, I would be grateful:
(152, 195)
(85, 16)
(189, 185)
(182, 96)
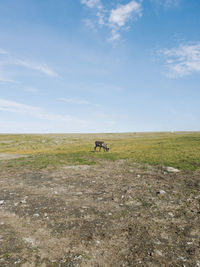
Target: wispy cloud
(123, 13)
(117, 18)
(183, 60)
(92, 3)
(16, 107)
(74, 101)
(41, 67)
(5, 79)
(3, 52)
(31, 89)
(77, 101)
(8, 58)
(167, 3)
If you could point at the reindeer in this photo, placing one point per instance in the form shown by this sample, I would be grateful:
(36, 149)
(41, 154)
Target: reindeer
(101, 144)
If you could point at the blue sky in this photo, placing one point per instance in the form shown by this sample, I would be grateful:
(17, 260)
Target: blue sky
(99, 66)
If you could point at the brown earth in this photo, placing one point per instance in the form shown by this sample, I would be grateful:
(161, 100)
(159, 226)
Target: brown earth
(110, 214)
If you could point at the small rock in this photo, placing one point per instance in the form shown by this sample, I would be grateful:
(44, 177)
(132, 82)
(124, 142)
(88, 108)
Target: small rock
(182, 258)
(161, 192)
(23, 201)
(78, 257)
(1, 202)
(159, 253)
(138, 175)
(79, 193)
(29, 240)
(172, 170)
(36, 215)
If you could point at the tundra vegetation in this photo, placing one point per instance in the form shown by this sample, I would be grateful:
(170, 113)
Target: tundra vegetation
(61, 204)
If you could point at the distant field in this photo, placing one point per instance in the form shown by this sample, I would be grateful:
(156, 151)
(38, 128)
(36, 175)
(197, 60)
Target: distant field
(178, 149)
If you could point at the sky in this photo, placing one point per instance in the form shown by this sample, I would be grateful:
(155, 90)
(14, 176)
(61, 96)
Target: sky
(86, 66)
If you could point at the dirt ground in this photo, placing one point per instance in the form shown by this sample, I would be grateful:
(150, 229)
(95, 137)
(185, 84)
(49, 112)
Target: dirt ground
(108, 214)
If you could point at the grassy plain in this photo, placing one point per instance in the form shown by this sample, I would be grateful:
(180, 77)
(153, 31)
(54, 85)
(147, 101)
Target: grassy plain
(62, 204)
(178, 149)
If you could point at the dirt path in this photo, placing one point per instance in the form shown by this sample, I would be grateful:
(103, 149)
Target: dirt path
(111, 214)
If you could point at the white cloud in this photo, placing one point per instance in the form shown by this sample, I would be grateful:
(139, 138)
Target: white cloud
(120, 15)
(182, 60)
(92, 3)
(15, 107)
(116, 18)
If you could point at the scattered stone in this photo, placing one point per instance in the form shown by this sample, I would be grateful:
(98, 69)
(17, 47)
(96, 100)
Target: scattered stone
(182, 258)
(79, 193)
(23, 201)
(29, 240)
(36, 215)
(159, 253)
(161, 192)
(171, 169)
(78, 257)
(77, 167)
(1, 202)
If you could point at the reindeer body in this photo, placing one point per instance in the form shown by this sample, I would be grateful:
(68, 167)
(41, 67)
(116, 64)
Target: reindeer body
(101, 144)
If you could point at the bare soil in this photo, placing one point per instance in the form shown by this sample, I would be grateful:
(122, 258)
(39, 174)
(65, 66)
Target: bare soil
(108, 214)
(4, 156)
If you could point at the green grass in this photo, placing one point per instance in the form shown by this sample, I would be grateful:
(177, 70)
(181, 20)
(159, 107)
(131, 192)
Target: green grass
(180, 150)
